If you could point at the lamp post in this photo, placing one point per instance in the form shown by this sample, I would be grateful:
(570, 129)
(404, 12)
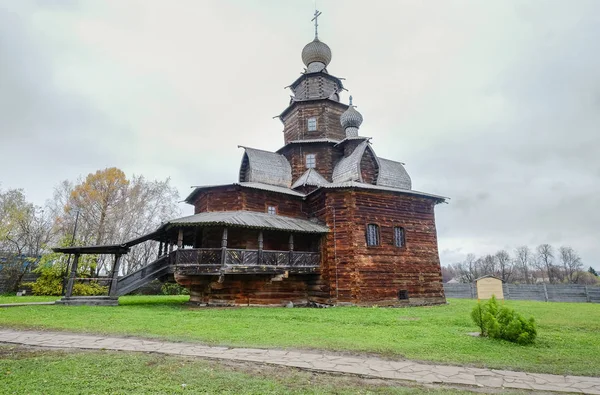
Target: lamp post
(66, 273)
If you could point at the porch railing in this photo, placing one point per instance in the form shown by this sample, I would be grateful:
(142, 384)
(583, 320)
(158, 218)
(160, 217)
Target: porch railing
(243, 257)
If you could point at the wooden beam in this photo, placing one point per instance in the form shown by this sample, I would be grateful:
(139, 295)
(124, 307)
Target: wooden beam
(224, 247)
(291, 245)
(71, 283)
(115, 276)
(260, 246)
(180, 239)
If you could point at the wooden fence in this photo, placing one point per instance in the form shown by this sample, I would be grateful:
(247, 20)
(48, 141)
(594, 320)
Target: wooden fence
(541, 292)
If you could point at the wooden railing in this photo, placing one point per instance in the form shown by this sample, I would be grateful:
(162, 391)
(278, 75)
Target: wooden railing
(198, 260)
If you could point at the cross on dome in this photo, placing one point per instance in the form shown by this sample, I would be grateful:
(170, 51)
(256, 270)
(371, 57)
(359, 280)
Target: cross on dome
(316, 19)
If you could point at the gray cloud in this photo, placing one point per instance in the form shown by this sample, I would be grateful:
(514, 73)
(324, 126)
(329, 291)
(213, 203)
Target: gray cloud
(494, 104)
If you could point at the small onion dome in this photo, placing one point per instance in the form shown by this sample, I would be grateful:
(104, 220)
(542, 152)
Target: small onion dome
(316, 51)
(351, 118)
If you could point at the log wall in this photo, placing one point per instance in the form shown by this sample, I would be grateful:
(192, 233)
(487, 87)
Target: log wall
(326, 156)
(327, 112)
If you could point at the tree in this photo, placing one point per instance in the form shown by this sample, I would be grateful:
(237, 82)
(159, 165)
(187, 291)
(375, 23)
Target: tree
(468, 270)
(114, 209)
(505, 265)
(571, 263)
(24, 231)
(593, 271)
(545, 261)
(523, 261)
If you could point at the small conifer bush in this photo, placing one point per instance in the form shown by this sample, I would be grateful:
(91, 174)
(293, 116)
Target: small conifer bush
(500, 322)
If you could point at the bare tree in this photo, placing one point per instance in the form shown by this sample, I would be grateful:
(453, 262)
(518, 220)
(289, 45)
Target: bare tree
(468, 270)
(488, 265)
(545, 262)
(505, 265)
(523, 262)
(571, 263)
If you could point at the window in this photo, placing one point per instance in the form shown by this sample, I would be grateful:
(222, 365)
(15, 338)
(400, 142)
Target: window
(311, 161)
(399, 240)
(372, 235)
(312, 124)
(272, 210)
(403, 294)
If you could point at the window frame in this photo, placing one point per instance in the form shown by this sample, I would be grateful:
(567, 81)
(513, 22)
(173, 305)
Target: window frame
(314, 161)
(377, 235)
(402, 240)
(268, 208)
(308, 121)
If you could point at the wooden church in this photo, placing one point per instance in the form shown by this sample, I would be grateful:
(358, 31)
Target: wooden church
(321, 220)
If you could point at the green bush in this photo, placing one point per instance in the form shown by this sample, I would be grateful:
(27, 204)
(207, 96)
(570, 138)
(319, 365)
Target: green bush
(173, 289)
(52, 267)
(500, 322)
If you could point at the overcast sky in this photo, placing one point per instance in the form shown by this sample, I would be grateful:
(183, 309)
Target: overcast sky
(495, 104)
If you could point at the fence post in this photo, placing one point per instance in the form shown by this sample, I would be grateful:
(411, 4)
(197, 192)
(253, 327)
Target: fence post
(545, 292)
(587, 294)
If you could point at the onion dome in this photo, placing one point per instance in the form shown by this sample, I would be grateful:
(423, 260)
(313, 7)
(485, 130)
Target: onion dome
(351, 120)
(316, 51)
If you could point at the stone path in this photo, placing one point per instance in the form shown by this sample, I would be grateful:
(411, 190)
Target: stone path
(371, 367)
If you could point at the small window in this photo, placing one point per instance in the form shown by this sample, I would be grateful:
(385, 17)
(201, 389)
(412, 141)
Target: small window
(312, 124)
(372, 235)
(399, 240)
(272, 210)
(311, 161)
(403, 294)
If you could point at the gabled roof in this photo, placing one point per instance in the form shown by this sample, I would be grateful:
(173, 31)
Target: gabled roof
(348, 168)
(265, 167)
(310, 177)
(393, 174)
(250, 219)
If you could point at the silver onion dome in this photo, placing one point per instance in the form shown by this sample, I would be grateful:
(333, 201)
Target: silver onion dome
(351, 119)
(316, 51)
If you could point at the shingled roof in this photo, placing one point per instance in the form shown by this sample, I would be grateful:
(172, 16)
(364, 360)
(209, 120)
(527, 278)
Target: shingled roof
(265, 167)
(250, 219)
(348, 168)
(310, 177)
(393, 174)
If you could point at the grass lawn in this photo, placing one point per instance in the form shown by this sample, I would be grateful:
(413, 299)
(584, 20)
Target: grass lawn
(35, 371)
(27, 299)
(568, 341)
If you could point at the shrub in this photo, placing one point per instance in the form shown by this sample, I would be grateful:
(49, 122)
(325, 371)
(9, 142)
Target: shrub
(500, 322)
(173, 289)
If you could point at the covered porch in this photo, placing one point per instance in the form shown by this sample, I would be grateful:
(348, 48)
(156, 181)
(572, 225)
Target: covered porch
(219, 243)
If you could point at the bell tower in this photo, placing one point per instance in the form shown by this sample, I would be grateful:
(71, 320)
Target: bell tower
(315, 109)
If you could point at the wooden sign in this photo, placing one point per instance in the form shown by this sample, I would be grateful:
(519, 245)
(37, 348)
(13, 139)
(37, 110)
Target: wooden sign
(488, 286)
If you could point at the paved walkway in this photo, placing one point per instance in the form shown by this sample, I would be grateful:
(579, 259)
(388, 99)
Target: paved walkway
(371, 367)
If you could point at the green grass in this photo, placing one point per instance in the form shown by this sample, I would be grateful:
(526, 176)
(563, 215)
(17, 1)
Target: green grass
(568, 341)
(27, 299)
(55, 372)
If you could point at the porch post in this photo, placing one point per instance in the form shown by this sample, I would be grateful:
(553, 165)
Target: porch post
(115, 276)
(260, 246)
(180, 239)
(69, 291)
(224, 247)
(291, 255)
(160, 249)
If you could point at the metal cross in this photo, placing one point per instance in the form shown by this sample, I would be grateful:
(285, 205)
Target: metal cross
(350, 100)
(317, 14)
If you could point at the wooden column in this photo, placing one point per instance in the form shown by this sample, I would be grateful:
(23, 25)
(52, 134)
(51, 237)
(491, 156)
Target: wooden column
(180, 239)
(224, 247)
(72, 277)
(170, 246)
(260, 247)
(115, 276)
(160, 249)
(291, 255)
